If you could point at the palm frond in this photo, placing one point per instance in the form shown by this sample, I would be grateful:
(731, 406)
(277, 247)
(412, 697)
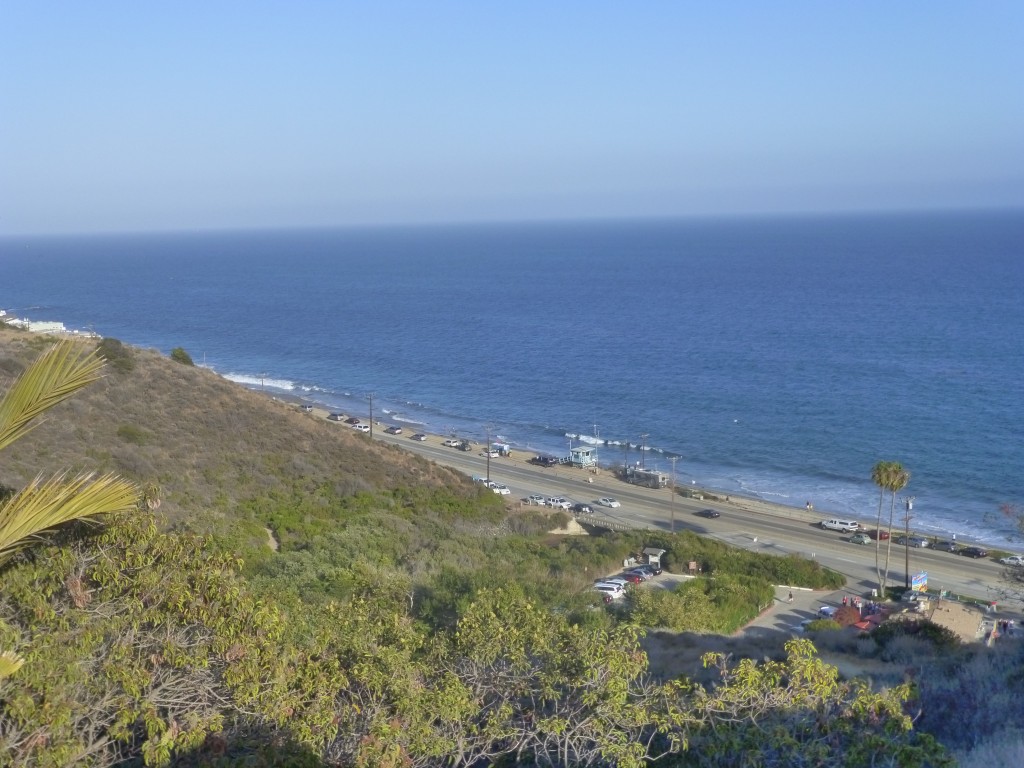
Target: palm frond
(10, 663)
(43, 505)
(56, 375)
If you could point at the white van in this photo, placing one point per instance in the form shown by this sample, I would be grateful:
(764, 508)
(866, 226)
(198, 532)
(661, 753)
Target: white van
(846, 526)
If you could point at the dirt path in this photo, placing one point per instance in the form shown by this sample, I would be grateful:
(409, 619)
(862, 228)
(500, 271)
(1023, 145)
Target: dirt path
(272, 540)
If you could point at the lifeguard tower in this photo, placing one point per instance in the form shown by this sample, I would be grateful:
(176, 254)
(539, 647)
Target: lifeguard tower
(583, 457)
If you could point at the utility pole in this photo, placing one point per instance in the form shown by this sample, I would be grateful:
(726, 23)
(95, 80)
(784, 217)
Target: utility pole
(371, 414)
(672, 501)
(643, 448)
(487, 451)
(909, 501)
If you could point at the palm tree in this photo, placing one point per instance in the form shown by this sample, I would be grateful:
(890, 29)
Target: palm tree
(880, 476)
(60, 372)
(896, 481)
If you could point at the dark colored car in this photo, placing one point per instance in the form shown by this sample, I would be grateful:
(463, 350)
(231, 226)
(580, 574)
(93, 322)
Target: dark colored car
(351, 420)
(543, 461)
(394, 430)
(947, 546)
(709, 513)
(632, 578)
(583, 509)
(973, 552)
(878, 534)
(911, 541)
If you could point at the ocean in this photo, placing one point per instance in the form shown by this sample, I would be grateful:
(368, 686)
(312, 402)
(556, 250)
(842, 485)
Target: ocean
(777, 358)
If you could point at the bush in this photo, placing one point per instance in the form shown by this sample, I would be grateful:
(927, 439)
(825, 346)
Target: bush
(925, 630)
(133, 434)
(823, 625)
(117, 355)
(179, 355)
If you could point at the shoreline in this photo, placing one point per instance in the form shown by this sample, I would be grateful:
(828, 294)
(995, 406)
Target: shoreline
(996, 541)
(740, 501)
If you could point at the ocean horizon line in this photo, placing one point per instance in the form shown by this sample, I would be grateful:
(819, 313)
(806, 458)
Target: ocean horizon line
(491, 223)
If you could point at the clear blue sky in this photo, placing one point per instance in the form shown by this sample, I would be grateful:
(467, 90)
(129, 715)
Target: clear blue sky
(195, 115)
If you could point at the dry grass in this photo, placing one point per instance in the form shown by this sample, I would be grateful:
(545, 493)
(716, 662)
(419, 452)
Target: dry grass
(206, 441)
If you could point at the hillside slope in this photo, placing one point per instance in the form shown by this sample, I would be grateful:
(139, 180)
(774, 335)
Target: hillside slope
(205, 441)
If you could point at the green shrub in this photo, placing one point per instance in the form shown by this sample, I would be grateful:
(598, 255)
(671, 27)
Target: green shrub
(179, 355)
(117, 355)
(823, 625)
(133, 434)
(922, 629)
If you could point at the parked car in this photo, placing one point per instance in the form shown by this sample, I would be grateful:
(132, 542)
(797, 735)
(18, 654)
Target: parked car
(361, 427)
(608, 501)
(418, 437)
(582, 509)
(973, 552)
(490, 454)
(878, 533)
(393, 430)
(536, 500)
(306, 408)
(351, 420)
(912, 541)
(451, 443)
(914, 596)
(632, 578)
(1015, 560)
(543, 461)
(711, 514)
(643, 573)
(618, 580)
(499, 488)
(610, 591)
(803, 625)
(946, 546)
(860, 538)
(846, 526)
(558, 502)
(827, 612)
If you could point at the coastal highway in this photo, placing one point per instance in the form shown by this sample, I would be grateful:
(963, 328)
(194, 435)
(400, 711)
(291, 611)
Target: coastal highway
(747, 523)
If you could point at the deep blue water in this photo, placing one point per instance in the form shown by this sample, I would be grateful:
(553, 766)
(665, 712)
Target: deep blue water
(779, 358)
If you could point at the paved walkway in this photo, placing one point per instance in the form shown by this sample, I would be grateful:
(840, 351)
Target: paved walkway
(785, 617)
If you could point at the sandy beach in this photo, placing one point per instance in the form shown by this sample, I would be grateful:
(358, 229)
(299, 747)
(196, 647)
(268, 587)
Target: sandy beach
(603, 473)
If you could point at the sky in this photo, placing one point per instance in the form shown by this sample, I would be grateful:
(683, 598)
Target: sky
(156, 116)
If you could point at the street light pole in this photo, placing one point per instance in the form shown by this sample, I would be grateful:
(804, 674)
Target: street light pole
(487, 451)
(371, 414)
(643, 448)
(909, 501)
(672, 501)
